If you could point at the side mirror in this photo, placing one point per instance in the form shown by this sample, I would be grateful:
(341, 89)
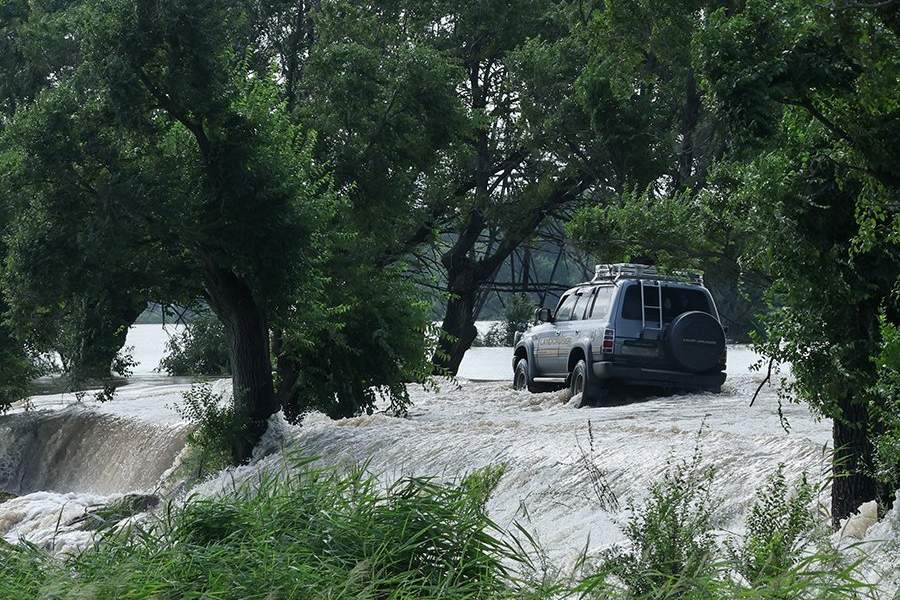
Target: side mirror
(542, 315)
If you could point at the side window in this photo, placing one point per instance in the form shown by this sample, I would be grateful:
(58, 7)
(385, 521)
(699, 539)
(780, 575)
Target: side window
(580, 299)
(602, 303)
(566, 308)
(587, 304)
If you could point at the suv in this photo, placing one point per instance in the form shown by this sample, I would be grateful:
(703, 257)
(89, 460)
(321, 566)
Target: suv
(630, 325)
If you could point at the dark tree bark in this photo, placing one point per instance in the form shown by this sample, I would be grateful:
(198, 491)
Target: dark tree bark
(459, 317)
(852, 457)
(466, 277)
(689, 119)
(246, 328)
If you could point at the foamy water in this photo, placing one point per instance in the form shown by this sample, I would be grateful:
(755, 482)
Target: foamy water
(544, 443)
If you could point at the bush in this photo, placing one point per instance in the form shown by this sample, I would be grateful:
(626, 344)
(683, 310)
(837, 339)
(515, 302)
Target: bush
(213, 426)
(671, 542)
(15, 375)
(777, 526)
(200, 349)
(517, 317)
(885, 408)
(16, 368)
(672, 554)
(374, 339)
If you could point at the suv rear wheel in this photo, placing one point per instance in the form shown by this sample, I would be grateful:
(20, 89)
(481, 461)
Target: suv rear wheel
(580, 382)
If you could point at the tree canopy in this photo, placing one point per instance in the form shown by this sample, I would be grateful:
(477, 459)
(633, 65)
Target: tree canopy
(309, 170)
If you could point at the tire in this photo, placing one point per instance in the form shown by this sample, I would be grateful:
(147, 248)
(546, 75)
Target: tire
(593, 393)
(696, 341)
(522, 381)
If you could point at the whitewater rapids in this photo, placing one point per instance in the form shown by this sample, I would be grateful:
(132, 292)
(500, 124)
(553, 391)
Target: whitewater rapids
(551, 451)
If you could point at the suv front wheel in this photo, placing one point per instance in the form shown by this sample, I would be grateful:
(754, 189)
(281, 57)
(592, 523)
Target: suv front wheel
(580, 382)
(522, 381)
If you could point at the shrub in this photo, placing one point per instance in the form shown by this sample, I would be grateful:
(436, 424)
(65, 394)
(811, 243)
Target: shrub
(885, 408)
(516, 319)
(375, 338)
(672, 554)
(671, 541)
(17, 369)
(200, 349)
(213, 424)
(776, 528)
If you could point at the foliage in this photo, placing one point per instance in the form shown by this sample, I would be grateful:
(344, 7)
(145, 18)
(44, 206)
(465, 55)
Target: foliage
(371, 345)
(670, 535)
(79, 297)
(194, 178)
(807, 93)
(517, 317)
(320, 533)
(212, 422)
(671, 552)
(776, 525)
(239, 151)
(670, 231)
(310, 533)
(886, 437)
(16, 370)
(201, 348)
(782, 116)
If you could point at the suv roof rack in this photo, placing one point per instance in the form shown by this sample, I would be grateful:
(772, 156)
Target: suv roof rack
(616, 271)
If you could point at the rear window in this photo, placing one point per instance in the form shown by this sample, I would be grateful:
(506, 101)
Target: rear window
(675, 300)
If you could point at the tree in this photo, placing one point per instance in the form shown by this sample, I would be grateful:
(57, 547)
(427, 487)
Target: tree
(526, 150)
(797, 188)
(641, 52)
(383, 103)
(195, 128)
(194, 152)
(16, 368)
(78, 309)
(811, 91)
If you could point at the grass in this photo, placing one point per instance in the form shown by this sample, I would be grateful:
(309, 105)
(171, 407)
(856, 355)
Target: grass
(319, 534)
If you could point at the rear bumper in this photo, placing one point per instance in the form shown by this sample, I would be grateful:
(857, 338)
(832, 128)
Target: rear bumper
(657, 377)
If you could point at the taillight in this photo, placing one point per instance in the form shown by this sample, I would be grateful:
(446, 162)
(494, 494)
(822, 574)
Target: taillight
(609, 341)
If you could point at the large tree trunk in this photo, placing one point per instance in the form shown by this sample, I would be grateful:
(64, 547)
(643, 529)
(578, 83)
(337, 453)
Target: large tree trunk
(247, 330)
(459, 318)
(459, 325)
(852, 455)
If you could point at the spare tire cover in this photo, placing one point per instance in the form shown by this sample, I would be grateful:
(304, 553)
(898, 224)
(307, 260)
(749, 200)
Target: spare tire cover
(696, 341)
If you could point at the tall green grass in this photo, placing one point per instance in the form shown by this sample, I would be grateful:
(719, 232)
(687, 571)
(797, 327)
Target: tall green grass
(321, 534)
(311, 534)
(673, 551)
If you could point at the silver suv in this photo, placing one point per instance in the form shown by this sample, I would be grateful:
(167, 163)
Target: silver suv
(629, 325)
